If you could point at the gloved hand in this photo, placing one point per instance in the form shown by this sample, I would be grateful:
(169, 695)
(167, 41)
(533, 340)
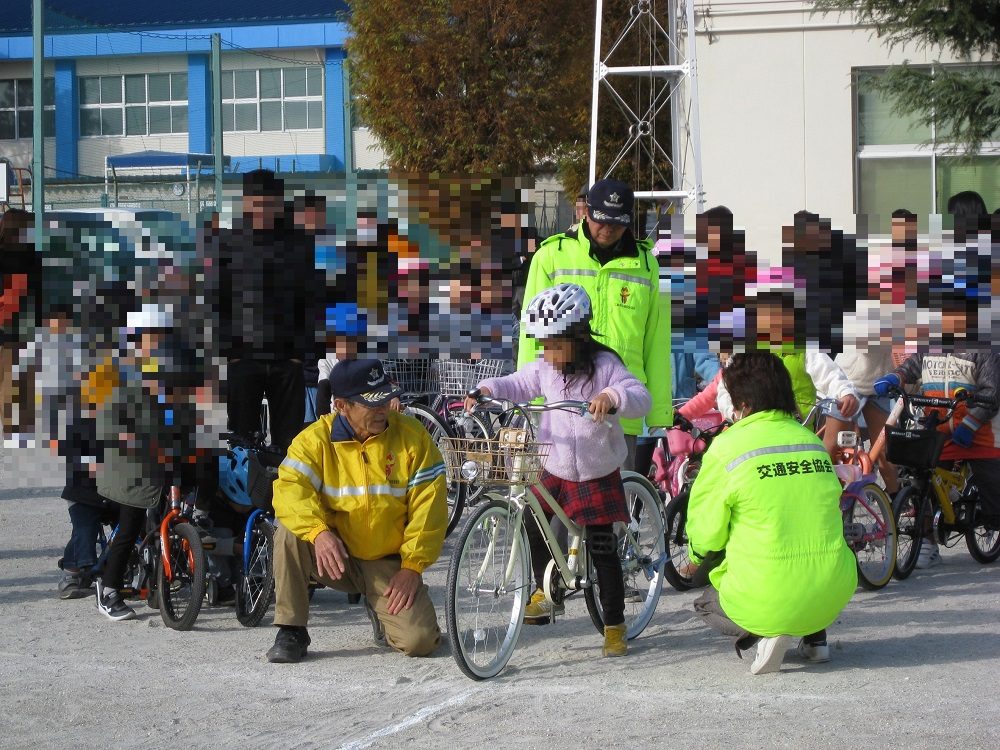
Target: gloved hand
(963, 434)
(884, 384)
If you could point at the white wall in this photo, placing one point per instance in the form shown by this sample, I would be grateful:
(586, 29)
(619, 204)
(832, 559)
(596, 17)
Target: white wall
(777, 119)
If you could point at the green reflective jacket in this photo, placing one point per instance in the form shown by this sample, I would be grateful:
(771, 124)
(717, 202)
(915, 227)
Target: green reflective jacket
(631, 312)
(767, 495)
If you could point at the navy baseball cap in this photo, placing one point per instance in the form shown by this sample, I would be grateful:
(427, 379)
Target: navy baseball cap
(362, 381)
(610, 202)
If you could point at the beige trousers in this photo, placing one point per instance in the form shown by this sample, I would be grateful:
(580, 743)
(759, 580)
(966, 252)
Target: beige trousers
(413, 631)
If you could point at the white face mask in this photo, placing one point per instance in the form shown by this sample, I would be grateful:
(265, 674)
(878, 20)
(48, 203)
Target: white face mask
(737, 418)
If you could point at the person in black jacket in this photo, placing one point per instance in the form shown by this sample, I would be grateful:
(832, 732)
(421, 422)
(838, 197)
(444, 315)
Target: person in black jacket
(264, 287)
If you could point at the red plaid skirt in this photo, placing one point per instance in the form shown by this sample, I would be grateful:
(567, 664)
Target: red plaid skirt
(596, 501)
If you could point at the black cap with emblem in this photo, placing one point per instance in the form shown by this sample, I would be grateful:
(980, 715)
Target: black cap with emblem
(362, 381)
(610, 202)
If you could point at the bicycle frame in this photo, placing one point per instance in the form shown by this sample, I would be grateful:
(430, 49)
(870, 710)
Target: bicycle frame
(942, 481)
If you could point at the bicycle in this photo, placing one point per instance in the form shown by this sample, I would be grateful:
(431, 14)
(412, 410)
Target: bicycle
(490, 573)
(685, 444)
(941, 500)
(869, 521)
(253, 469)
(167, 566)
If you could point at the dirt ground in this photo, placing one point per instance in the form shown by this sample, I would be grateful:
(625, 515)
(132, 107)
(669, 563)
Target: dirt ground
(915, 665)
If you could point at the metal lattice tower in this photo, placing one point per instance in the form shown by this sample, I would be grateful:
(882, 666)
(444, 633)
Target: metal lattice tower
(664, 75)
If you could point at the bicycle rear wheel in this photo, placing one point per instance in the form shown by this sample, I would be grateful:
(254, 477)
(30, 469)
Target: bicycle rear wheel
(873, 537)
(908, 513)
(983, 543)
(439, 430)
(489, 583)
(181, 596)
(678, 558)
(642, 552)
(256, 583)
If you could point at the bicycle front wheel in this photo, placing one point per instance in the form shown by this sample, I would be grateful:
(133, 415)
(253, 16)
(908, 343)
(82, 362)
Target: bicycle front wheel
(643, 556)
(489, 583)
(679, 567)
(465, 425)
(871, 529)
(908, 513)
(182, 594)
(439, 430)
(256, 584)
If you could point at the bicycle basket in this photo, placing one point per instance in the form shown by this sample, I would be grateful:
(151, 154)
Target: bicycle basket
(456, 377)
(510, 458)
(916, 449)
(261, 473)
(413, 376)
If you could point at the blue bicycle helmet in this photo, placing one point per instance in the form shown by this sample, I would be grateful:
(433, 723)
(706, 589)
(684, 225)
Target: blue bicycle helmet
(346, 319)
(234, 472)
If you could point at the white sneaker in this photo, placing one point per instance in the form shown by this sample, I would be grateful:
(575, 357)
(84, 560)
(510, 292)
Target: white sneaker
(770, 654)
(929, 555)
(817, 653)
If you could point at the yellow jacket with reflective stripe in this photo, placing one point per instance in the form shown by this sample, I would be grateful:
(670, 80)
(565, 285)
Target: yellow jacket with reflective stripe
(383, 497)
(631, 312)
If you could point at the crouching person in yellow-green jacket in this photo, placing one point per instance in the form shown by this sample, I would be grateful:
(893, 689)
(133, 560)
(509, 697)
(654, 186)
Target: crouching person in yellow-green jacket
(764, 524)
(360, 504)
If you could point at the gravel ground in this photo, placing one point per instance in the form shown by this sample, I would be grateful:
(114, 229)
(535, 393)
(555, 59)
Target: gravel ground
(914, 665)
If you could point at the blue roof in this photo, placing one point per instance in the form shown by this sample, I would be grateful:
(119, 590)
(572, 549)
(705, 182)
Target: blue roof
(94, 15)
(162, 159)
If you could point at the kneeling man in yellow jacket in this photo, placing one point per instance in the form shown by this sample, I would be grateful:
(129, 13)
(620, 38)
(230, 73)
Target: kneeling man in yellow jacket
(360, 503)
(766, 504)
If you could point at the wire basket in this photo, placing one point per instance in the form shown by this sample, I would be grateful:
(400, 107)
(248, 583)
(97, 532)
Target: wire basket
(456, 377)
(413, 376)
(508, 459)
(915, 449)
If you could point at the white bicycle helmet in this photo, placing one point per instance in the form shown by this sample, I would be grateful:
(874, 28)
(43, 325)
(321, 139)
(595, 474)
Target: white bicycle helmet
(553, 311)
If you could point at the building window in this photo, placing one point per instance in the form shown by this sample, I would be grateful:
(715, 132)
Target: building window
(272, 100)
(17, 111)
(141, 104)
(903, 164)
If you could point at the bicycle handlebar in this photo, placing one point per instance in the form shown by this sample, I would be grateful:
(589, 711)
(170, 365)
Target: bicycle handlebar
(938, 402)
(569, 405)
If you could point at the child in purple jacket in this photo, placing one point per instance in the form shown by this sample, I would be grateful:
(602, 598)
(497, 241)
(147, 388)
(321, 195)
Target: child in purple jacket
(582, 471)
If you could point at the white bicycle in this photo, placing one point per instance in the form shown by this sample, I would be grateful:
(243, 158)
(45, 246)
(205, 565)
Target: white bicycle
(490, 573)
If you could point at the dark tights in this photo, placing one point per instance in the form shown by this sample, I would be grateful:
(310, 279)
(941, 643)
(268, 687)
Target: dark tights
(606, 563)
(131, 523)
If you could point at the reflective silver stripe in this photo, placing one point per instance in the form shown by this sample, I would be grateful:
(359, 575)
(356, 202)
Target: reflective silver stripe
(375, 489)
(304, 469)
(628, 277)
(573, 272)
(800, 448)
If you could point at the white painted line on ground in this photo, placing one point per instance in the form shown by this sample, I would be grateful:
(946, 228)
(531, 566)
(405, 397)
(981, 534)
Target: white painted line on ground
(419, 716)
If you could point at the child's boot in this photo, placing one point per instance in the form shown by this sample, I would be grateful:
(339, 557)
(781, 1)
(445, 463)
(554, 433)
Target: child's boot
(614, 640)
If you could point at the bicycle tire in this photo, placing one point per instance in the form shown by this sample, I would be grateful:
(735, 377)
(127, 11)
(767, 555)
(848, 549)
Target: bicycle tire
(983, 543)
(181, 598)
(642, 552)
(908, 511)
(876, 559)
(468, 426)
(676, 543)
(484, 624)
(256, 584)
(438, 430)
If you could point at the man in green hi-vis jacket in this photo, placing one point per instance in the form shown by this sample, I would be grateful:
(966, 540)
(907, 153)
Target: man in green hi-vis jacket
(622, 278)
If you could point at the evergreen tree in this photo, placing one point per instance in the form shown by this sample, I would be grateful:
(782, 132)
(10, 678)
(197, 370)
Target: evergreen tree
(963, 102)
